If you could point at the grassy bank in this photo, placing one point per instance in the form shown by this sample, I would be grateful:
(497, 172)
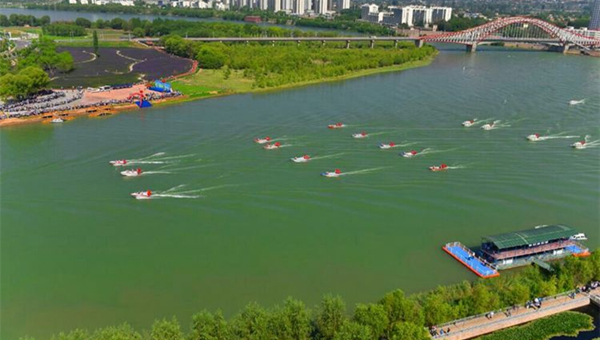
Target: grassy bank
(567, 323)
(213, 83)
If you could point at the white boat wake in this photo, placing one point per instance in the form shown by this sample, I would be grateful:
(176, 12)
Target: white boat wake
(363, 171)
(586, 143)
(327, 156)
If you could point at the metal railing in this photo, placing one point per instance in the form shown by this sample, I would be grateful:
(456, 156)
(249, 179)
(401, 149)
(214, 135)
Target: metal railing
(454, 324)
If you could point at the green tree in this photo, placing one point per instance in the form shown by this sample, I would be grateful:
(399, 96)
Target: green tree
(373, 316)
(166, 330)
(437, 310)
(95, 42)
(122, 332)
(252, 323)
(292, 322)
(408, 331)
(354, 331)
(138, 32)
(83, 22)
(331, 316)
(209, 326)
(78, 334)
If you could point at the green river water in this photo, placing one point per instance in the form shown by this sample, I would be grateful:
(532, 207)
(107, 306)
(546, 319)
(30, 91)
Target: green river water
(78, 251)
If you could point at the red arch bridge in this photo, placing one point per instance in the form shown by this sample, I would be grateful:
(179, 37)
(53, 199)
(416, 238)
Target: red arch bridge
(510, 30)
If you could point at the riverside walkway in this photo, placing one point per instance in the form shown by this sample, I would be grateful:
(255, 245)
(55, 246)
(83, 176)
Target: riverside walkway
(479, 325)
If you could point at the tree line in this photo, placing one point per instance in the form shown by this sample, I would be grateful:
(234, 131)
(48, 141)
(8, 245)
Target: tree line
(29, 72)
(395, 316)
(288, 63)
(346, 21)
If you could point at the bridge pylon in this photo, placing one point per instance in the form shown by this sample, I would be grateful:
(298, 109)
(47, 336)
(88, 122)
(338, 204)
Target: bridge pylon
(471, 48)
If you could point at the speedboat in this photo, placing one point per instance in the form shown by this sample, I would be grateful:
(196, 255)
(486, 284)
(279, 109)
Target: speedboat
(119, 162)
(575, 102)
(408, 154)
(438, 168)
(275, 145)
(302, 159)
(57, 120)
(336, 173)
(131, 173)
(262, 140)
(468, 123)
(578, 237)
(533, 138)
(360, 135)
(387, 146)
(579, 145)
(336, 126)
(142, 195)
(488, 126)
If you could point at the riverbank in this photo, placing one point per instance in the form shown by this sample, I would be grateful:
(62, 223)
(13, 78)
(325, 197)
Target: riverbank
(205, 84)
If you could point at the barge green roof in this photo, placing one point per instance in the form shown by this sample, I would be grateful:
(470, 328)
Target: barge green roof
(530, 236)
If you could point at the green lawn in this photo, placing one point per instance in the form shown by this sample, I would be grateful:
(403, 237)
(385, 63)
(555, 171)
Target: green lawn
(205, 81)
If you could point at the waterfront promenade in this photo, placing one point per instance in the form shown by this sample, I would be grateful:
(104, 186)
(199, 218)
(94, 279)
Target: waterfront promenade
(478, 325)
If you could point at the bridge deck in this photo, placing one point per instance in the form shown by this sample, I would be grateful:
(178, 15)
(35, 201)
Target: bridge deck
(479, 325)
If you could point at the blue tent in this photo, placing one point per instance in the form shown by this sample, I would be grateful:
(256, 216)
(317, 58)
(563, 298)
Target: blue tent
(160, 86)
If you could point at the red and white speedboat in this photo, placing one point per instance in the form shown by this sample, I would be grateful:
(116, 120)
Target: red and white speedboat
(579, 145)
(275, 145)
(132, 173)
(387, 146)
(533, 138)
(142, 195)
(408, 154)
(119, 162)
(302, 159)
(336, 173)
(262, 140)
(336, 126)
(360, 135)
(438, 168)
(468, 123)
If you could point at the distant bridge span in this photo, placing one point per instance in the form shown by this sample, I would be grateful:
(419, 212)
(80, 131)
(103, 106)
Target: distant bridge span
(507, 30)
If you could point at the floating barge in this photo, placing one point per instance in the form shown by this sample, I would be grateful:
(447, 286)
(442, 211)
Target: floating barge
(515, 249)
(470, 260)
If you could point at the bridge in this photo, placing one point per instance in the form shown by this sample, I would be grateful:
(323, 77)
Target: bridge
(503, 30)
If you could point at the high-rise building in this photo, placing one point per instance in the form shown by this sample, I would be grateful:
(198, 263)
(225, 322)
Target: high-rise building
(595, 19)
(343, 4)
(321, 6)
(299, 7)
(274, 5)
(366, 9)
(263, 5)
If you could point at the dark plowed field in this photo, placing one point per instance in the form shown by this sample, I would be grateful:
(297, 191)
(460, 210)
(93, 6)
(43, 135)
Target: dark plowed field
(119, 65)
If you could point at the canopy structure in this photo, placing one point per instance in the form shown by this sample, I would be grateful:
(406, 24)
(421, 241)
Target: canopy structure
(530, 237)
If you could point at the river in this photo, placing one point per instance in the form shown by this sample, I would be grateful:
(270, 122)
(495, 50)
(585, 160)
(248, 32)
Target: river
(78, 251)
(72, 15)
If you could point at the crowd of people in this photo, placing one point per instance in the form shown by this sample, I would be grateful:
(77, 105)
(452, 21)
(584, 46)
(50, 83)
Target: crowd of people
(59, 100)
(39, 104)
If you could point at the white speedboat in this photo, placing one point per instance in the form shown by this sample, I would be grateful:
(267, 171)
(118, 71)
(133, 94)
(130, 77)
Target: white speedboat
(302, 159)
(360, 135)
(438, 168)
(387, 146)
(488, 126)
(119, 162)
(336, 173)
(408, 154)
(262, 140)
(533, 138)
(579, 145)
(57, 120)
(142, 195)
(468, 123)
(275, 145)
(576, 102)
(132, 173)
(578, 237)
(336, 126)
